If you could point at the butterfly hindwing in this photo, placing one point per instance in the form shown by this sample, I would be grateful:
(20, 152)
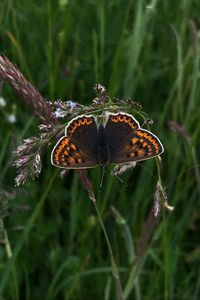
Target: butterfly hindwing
(141, 145)
(68, 154)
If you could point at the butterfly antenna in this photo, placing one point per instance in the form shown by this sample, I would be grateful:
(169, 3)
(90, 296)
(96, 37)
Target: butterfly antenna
(102, 177)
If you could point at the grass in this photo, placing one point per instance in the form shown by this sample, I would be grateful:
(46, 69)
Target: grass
(52, 243)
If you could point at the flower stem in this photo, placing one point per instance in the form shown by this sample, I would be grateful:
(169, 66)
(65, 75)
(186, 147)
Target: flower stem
(114, 266)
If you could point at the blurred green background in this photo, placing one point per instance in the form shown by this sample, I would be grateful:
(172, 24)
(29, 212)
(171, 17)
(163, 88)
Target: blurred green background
(52, 244)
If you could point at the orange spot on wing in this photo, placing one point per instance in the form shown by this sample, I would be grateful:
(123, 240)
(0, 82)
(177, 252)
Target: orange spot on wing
(126, 119)
(114, 119)
(83, 121)
(141, 152)
(120, 118)
(134, 140)
(89, 121)
(71, 160)
(64, 142)
(132, 154)
(73, 146)
(78, 123)
(141, 134)
(77, 154)
(56, 157)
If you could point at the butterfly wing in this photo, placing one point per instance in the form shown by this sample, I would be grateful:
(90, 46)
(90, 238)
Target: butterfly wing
(77, 149)
(128, 142)
(118, 129)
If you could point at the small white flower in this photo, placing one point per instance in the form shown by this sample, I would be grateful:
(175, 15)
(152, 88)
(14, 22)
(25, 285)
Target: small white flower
(21, 161)
(11, 118)
(37, 165)
(2, 102)
(59, 113)
(20, 179)
(70, 104)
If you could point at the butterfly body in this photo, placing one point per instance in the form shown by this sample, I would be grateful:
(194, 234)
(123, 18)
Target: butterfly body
(87, 144)
(102, 146)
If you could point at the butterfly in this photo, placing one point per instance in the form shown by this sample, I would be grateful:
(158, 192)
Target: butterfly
(87, 144)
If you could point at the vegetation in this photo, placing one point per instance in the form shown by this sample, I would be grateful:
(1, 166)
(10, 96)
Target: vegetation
(53, 243)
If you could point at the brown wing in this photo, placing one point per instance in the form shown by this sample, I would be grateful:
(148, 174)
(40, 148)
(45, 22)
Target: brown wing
(78, 148)
(141, 145)
(69, 154)
(83, 129)
(127, 142)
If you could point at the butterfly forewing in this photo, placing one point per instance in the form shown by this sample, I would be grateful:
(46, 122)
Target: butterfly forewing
(118, 129)
(83, 129)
